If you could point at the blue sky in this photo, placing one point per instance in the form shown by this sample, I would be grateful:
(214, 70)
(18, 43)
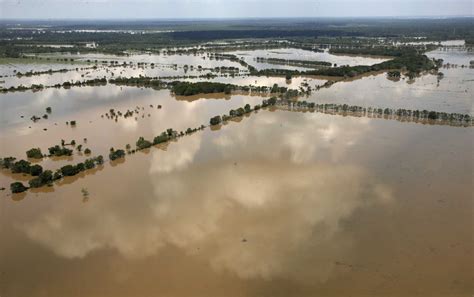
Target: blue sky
(125, 9)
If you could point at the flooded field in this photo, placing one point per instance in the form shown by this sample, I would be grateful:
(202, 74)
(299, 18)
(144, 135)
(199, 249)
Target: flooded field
(273, 203)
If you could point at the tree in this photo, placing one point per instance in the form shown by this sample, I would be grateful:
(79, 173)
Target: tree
(163, 137)
(272, 101)
(7, 162)
(57, 174)
(99, 160)
(58, 151)
(36, 170)
(17, 187)
(89, 164)
(21, 166)
(46, 176)
(87, 151)
(215, 120)
(247, 108)
(35, 182)
(142, 143)
(34, 153)
(68, 170)
(116, 155)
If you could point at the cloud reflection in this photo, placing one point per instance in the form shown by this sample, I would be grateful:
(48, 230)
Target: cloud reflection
(254, 214)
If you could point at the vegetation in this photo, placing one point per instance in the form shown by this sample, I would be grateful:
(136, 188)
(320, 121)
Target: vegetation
(58, 151)
(216, 120)
(44, 178)
(188, 88)
(17, 187)
(391, 51)
(116, 154)
(34, 153)
(433, 117)
(301, 63)
(36, 170)
(143, 144)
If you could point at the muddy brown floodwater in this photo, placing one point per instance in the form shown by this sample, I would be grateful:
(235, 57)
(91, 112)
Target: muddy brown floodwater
(278, 204)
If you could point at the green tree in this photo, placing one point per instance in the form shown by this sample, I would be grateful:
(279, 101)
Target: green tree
(34, 153)
(215, 120)
(17, 187)
(36, 170)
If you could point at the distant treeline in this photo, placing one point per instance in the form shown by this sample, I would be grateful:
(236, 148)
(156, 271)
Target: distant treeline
(262, 33)
(392, 51)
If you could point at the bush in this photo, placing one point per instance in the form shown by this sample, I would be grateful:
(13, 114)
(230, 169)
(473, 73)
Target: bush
(34, 153)
(17, 187)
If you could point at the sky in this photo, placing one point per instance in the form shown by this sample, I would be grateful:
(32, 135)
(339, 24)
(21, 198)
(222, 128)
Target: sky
(142, 9)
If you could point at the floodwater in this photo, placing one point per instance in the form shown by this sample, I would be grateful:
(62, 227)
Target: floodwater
(86, 105)
(276, 203)
(451, 93)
